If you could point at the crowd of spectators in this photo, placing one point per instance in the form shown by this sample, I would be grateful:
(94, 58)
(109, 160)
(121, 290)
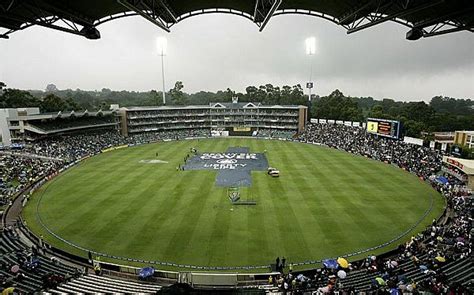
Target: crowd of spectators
(273, 133)
(450, 239)
(446, 240)
(18, 170)
(73, 147)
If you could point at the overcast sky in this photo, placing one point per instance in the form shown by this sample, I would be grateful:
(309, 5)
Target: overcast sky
(213, 52)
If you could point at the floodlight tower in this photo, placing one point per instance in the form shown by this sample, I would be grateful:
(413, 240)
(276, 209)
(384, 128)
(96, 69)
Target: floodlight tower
(310, 51)
(162, 46)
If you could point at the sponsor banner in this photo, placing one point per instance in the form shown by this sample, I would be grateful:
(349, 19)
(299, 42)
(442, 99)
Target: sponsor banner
(114, 148)
(455, 163)
(339, 122)
(314, 121)
(413, 140)
(242, 129)
(347, 123)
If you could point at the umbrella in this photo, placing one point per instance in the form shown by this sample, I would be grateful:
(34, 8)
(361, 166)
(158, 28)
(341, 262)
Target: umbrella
(146, 272)
(330, 263)
(324, 289)
(394, 263)
(343, 262)
(9, 290)
(15, 268)
(442, 179)
(380, 281)
(342, 274)
(440, 259)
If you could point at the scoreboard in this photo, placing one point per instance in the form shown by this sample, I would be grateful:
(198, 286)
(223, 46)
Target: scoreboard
(382, 127)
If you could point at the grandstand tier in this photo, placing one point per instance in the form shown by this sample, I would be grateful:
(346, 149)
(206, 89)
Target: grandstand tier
(244, 118)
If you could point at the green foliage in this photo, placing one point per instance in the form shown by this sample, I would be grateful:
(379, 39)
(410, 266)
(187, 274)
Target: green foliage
(467, 152)
(15, 98)
(53, 103)
(443, 104)
(177, 95)
(337, 107)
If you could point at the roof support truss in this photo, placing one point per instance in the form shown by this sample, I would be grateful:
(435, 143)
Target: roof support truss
(264, 10)
(42, 14)
(7, 5)
(384, 11)
(168, 11)
(435, 19)
(446, 28)
(148, 10)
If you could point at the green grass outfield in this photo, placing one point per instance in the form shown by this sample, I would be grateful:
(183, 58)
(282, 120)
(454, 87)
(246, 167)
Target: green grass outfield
(326, 203)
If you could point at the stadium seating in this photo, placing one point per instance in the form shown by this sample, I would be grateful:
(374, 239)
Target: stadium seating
(458, 270)
(12, 248)
(100, 284)
(10, 245)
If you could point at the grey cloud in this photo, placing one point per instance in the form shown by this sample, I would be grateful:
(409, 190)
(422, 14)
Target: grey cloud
(219, 51)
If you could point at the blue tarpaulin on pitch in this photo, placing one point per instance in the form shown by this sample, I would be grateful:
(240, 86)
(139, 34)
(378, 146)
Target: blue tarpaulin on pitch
(442, 179)
(330, 263)
(146, 272)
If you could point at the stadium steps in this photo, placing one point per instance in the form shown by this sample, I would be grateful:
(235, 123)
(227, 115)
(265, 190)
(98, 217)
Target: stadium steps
(151, 287)
(463, 270)
(9, 244)
(23, 286)
(100, 284)
(59, 268)
(27, 284)
(32, 282)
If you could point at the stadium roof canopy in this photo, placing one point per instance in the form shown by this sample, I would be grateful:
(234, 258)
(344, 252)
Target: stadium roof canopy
(423, 17)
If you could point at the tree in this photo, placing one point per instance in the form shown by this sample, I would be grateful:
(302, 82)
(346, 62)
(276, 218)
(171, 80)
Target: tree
(413, 128)
(177, 95)
(53, 103)
(155, 98)
(250, 93)
(337, 107)
(51, 88)
(15, 98)
(229, 94)
(2, 85)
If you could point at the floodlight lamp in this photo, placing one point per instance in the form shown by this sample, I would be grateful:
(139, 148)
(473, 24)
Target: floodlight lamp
(162, 45)
(310, 46)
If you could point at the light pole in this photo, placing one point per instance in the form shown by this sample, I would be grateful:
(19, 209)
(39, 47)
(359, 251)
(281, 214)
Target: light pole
(162, 46)
(310, 51)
